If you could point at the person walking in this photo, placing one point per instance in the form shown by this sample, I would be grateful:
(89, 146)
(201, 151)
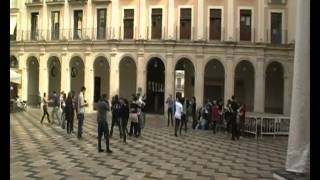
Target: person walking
(215, 116)
(124, 113)
(170, 103)
(134, 106)
(55, 109)
(242, 117)
(177, 114)
(141, 114)
(194, 112)
(45, 108)
(103, 129)
(234, 124)
(184, 119)
(63, 99)
(69, 112)
(75, 107)
(82, 103)
(116, 115)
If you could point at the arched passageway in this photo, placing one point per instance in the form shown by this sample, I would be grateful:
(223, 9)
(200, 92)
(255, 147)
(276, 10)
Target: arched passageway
(155, 86)
(274, 85)
(184, 78)
(33, 81)
(101, 78)
(128, 77)
(213, 81)
(244, 84)
(14, 62)
(76, 74)
(54, 75)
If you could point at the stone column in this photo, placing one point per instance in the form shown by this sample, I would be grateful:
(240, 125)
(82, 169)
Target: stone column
(115, 20)
(43, 74)
(142, 19)
(287, 93)
(114, 74)
(141, 73)
(199, 80)
(90, 20)
(259, 86)
(230, 21)
(261, 26)
(169, 79)
(24, 75)
(67, 27)
(43, 32)
(65, 73)
(299, 134)
(89, 80)
(200, 27)
(171, 20)
(229, 79)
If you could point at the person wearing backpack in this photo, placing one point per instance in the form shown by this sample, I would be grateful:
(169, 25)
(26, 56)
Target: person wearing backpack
(115, 108)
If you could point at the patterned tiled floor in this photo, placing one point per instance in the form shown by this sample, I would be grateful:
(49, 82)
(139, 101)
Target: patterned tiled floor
(48, 152)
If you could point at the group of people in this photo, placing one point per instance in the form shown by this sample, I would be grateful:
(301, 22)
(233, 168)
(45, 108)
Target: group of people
(121, 112)
(213, 113)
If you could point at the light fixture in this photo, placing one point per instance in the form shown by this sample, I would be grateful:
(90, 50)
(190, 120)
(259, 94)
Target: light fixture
(274, 69)
(54, 63)
(214, 67)
(155, 64)
(77, 63)
(101, 62)
(244, 68)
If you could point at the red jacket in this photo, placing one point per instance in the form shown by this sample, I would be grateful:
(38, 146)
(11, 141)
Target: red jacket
(242, 114)
(215, 113)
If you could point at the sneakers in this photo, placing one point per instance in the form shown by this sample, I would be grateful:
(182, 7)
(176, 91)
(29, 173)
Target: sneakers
(108, 151)
(100, 150)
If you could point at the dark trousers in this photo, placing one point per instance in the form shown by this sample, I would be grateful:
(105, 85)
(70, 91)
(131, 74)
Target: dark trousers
(45, 113)
(80, 124)
(241, 128)
(69, 125)
(134, 129)
(214, 126)
(194, 121)
(103, 129)
(124, 122)
(235, 129)
(184, 122)
(170, 116)
(115, 120)
(177, 126)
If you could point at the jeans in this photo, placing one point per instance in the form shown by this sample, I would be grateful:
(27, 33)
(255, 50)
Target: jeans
(116, 120)
(55, 113)
(103, 129)
(80, 124)
(124, 122)
(177, 126)
(170, 116)
(184, 122)
(45, 112)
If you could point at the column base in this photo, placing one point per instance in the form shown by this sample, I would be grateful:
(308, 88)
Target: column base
(282, 174)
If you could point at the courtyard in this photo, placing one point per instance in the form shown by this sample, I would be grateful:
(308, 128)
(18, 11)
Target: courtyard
(48, 152)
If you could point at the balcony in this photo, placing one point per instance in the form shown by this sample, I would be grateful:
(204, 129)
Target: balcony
(276, 2)
(55, 2)
(78, 2)
(101, 1)
(34, 3)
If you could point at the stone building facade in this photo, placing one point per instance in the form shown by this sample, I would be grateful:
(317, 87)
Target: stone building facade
(226, 47)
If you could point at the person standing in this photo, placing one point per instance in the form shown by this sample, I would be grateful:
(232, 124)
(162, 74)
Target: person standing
(194, 112)
(82, 103)
(170, 103)
(103, 129)
(63, 99)
(177, 114)
(141, 113)
(69, 112)
(242, 117)
(215, 116)
(124, 113)
(184, 119)
(55, 109)
(134, 106)
(116, 106)
(45, 108)
(234, 107)
(75, 107)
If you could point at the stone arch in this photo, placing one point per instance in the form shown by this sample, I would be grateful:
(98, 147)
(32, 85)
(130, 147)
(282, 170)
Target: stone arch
(184, 77)
(77, 70)
(127, 76)
(214, 80)
(54, 74)
(33, 80)
(101, 68)
(14, 63)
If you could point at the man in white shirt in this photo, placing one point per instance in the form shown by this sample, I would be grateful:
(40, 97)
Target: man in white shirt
(81, 104)
(177, 114)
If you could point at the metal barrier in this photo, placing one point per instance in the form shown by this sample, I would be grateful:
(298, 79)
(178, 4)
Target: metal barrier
(251, 125)
(267, 126)
(282, 125)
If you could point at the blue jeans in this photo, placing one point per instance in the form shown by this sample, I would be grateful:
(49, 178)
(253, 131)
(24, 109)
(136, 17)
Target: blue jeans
(80, 124)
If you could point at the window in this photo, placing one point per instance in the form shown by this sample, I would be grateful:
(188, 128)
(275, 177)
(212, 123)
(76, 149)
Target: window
(276, 22)
(34, 25)
(156, 24)
(215, 24)
(128, 22)
(13, 28)
(77, 33)
(245, 25)
(101, 18)
(179, 84)
(185, 23)
(55, 25)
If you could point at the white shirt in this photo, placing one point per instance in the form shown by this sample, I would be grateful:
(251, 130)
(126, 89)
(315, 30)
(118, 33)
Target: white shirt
(179, 110)
(81, 103)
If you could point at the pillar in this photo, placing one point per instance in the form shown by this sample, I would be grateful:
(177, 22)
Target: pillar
(259, 86)
(299, 133)
(200, 27)
(43, 74)
(169, 79)
(89, 27)
(171, 20)
(24, 75)
(65, 72)
(43, 32)
(89, 80)
(199, 80)
(261, 25)
(141, 73)
(67, 27)
(115, 20)
(114, 74)
(229, 79)
(287, 93)
(230, 21)
(142, 19)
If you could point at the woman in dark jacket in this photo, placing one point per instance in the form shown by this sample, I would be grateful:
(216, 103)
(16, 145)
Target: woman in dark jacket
(124, 113)
(69, 112)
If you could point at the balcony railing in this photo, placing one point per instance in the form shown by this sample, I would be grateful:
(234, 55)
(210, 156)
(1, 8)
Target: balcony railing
(77, 2)
(277, 2)
(30, 3)
(55, 2)
(275, 37)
